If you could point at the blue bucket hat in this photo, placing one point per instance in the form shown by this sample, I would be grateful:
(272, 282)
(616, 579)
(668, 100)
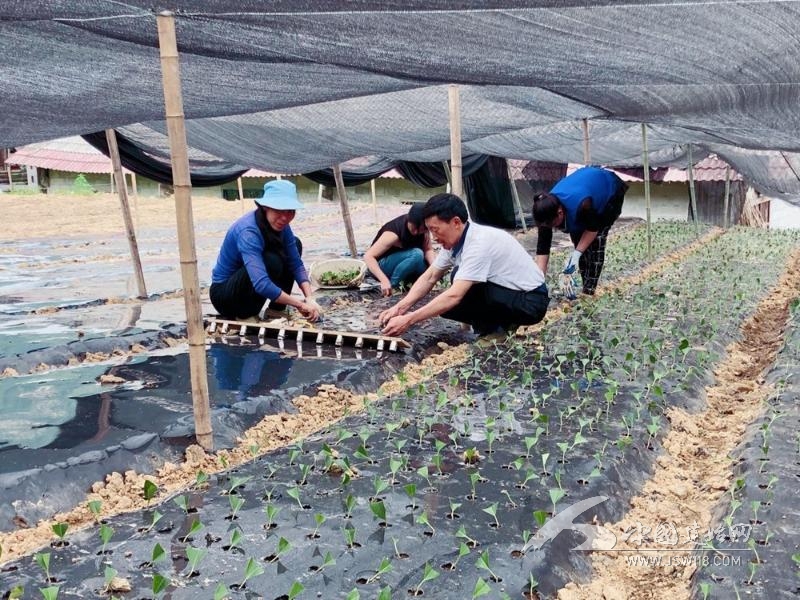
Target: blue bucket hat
(280, 194)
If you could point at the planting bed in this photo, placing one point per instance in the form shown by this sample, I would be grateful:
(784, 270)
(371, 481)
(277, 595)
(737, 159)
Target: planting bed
(757, 525)
(435, 491)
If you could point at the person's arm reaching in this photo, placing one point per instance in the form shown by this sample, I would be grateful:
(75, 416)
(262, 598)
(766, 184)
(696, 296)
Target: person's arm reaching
(543, 243)
(441, 304)
(381, 246)
(421, 286)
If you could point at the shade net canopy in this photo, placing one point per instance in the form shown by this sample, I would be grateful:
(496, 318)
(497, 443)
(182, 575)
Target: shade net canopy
(300, 85)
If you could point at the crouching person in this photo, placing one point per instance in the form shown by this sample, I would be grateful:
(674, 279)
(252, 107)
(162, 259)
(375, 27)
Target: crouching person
(495, 283)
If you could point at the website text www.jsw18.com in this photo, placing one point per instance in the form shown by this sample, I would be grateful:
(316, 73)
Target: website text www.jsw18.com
(683, 560)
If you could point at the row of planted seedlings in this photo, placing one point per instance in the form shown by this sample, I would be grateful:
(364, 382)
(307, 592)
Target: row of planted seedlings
(755, 547)
(441, 491)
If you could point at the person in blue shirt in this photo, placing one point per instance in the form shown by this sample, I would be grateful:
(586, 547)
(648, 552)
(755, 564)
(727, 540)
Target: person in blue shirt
(585, 205)
(260, 259)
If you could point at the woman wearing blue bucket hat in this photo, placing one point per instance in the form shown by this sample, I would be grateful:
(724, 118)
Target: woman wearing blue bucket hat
(260, 259)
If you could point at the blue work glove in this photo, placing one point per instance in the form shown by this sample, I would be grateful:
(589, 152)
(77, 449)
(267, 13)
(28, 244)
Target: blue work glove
(567, 284)
(572, 262)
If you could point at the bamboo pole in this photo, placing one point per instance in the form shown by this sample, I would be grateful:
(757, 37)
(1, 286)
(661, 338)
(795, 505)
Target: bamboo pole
(134, 188)
(319, 193)
(111, 180)
(727, 200)
(455, 141)
(646, 169)
(122, 191)
(10, 178)
(348, 223)
(587, 157)
(241, 192)
(692, 195)
(173, 101)
(515, 196)
(449, 176)
(374, 201)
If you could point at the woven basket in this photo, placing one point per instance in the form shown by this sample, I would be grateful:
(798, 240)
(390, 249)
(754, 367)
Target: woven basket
(338, 264)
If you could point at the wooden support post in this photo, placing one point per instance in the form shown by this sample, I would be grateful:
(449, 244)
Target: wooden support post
(111, 180)
(457, 182)
(122, 190)
(10, 178)
(515, 196)
(646, 169)
(692, 195)
(348, 223)
(134, 188)
(319, 193)
(587, 157)
(374, 201)
(173, 102)
(241, 192)
(726, 203)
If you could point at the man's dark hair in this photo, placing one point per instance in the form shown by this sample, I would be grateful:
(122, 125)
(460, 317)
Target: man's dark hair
(415, 216)
(445, 207)
(545, 209)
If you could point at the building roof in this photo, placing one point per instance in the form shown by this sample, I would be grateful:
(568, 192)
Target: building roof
(71, 154)
(711, 168)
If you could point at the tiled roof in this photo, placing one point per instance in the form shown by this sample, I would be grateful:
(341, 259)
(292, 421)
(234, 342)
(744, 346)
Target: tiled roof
(72, 155)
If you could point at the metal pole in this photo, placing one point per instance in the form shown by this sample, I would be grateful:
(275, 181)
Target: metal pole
(515, 195)
(646, 169)
(173, 102)
(727, 200)
(692, 196)
(122, 191)
(587, 158)
(455, 141)
(348, 223)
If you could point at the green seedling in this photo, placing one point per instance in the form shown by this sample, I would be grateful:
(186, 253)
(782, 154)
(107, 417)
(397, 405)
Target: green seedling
(429, 574)
(378, 509)
(271, 511)
(94, 507)
(454, 506)
(423, 472)
(383, 568)
(235, 539)
(350, 536)
(379, 485)
(43, 560)
(304, 471)
(481, 588)
(510, 502)
(353, 594)
(395, 464)
(183, 502)
(471, 456)
(60, 529)
(327, 561)
(563, 446)
(483, 563)
(437, 461)
(556, 494)
(193, 528)
(293, 454)
(474, 478)
(349, 505)
(544, 458)
(530, 474)
(201, 480)
(236, 503)
(222, 592)
(532, 585)
(423, 519)
(194, 555)
(296, 589)
(463, 550)
(149, 491)
(294, 493)
(492, 511)
(282, 548)
(462, 534)
(491, 436)
(106, 533)
(319, 519)
(385, 594)
(50, 593)
(237, 482)
(158, 554)
(251, 569)
(411, 492)
(108, 576)
(705, 589)
(160, 583)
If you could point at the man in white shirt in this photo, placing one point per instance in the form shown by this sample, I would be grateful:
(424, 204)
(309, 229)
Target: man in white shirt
(495, 284)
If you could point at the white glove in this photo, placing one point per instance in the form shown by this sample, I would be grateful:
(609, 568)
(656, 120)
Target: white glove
(567, 285)
(572, 262)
